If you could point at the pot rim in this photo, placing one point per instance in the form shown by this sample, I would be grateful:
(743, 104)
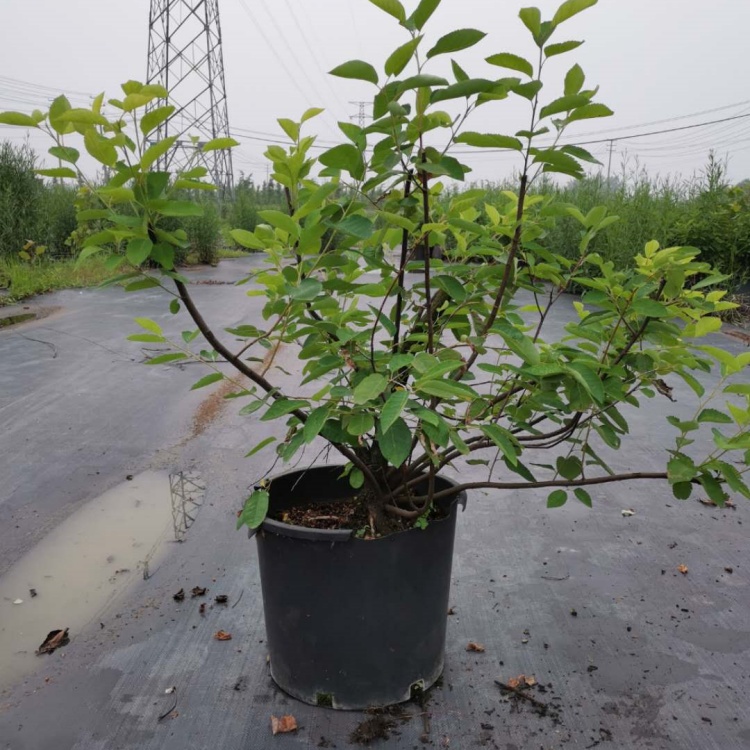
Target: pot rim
(338, 535)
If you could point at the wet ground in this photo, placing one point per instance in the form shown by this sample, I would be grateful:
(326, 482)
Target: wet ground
(627, 651)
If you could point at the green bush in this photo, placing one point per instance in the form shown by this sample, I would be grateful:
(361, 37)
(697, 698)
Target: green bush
(204, 233)
(57, 220)
(20, 191)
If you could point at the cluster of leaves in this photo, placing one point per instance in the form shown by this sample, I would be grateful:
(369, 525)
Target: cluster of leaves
(412, 371)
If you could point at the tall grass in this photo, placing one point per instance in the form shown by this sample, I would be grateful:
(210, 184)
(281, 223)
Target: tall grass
(19, 280)
(703, 211)
(31, 209)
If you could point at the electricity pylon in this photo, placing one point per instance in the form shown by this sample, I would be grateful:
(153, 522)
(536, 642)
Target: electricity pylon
(185, 56)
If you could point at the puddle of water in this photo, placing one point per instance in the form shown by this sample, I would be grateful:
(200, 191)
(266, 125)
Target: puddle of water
(79, 568)
(13, 319)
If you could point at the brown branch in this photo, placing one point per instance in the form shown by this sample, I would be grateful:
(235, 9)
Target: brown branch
(538, 485)
(258, 379)
(401, 269)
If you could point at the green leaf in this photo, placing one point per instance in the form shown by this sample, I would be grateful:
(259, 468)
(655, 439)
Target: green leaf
(261, 445)
(314, 423)
(357, 226)
(174, 306)
(58, 107)
(532, 20)
(502, 439)
(423, 12)
(715, 416)
(307, 290)
(563, 104)
(571, 8)
(559, 49)
(356, 479)
(392, 8)
(57, 172)
(155, 152)
(588, 379)
(165, 358)
(589, 111)
(574, 80)
(445, 389)
(682, 490)
(102, 149)
(151, 120)
(346, 157)
(557, 499)
(356, 69)
(395, 443)
(283, 406)
(713, 489)
(178, 208)
(359, 423)
(423, 80)
(147, 338)
(400, 57)
(455, 41)
(17, 118)
(282, 221)
(310, 113)
(650, 308)
(583, 496)
(461, 89)
(392, 409)
(65, 153)
(82, 117)
(246, 239)
(256, 507)
(489, 140)
(138, 250)
(680, 468)
(512, 62)
(290, 127)
(214, 377)
(518, 343)
(369, 388)
(150, 325)
(569, 467)
(451, 286)
(219, 144)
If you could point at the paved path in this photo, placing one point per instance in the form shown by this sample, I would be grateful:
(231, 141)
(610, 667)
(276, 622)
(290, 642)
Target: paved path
(650, 659)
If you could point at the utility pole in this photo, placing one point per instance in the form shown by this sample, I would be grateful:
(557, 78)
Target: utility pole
(361, 115)
(185, 56)
(609, 163)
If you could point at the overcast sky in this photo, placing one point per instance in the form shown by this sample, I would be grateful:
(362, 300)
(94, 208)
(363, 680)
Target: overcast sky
(654, 59)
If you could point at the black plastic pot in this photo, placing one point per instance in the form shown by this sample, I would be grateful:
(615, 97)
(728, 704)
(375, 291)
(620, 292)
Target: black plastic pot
(351, 623)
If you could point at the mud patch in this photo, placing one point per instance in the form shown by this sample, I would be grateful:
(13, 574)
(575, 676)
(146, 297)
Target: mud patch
(211, 408)
(79, 568)
(17, 316)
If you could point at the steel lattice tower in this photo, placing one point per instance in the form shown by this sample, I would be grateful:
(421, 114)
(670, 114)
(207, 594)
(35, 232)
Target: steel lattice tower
(185, 56)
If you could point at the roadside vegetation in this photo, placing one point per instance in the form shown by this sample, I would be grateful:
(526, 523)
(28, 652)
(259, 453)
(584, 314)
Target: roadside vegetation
(39, 241)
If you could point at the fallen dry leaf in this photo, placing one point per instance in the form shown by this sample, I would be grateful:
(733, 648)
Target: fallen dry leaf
(729, 570)
(202, 608)
(223, 636)
(521, 682)
(179, 596)
(683, 569)
(283, 725)
(198, 591)
(222, 599)
(477, 647)
(54, 640)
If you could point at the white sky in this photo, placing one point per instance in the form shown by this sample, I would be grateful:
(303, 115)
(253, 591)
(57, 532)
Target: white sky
(654, 60)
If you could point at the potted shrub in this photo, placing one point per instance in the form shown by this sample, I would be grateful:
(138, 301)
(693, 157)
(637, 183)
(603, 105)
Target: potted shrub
(405, 375)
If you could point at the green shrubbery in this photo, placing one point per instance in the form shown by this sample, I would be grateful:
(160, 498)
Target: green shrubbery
(31, 210)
